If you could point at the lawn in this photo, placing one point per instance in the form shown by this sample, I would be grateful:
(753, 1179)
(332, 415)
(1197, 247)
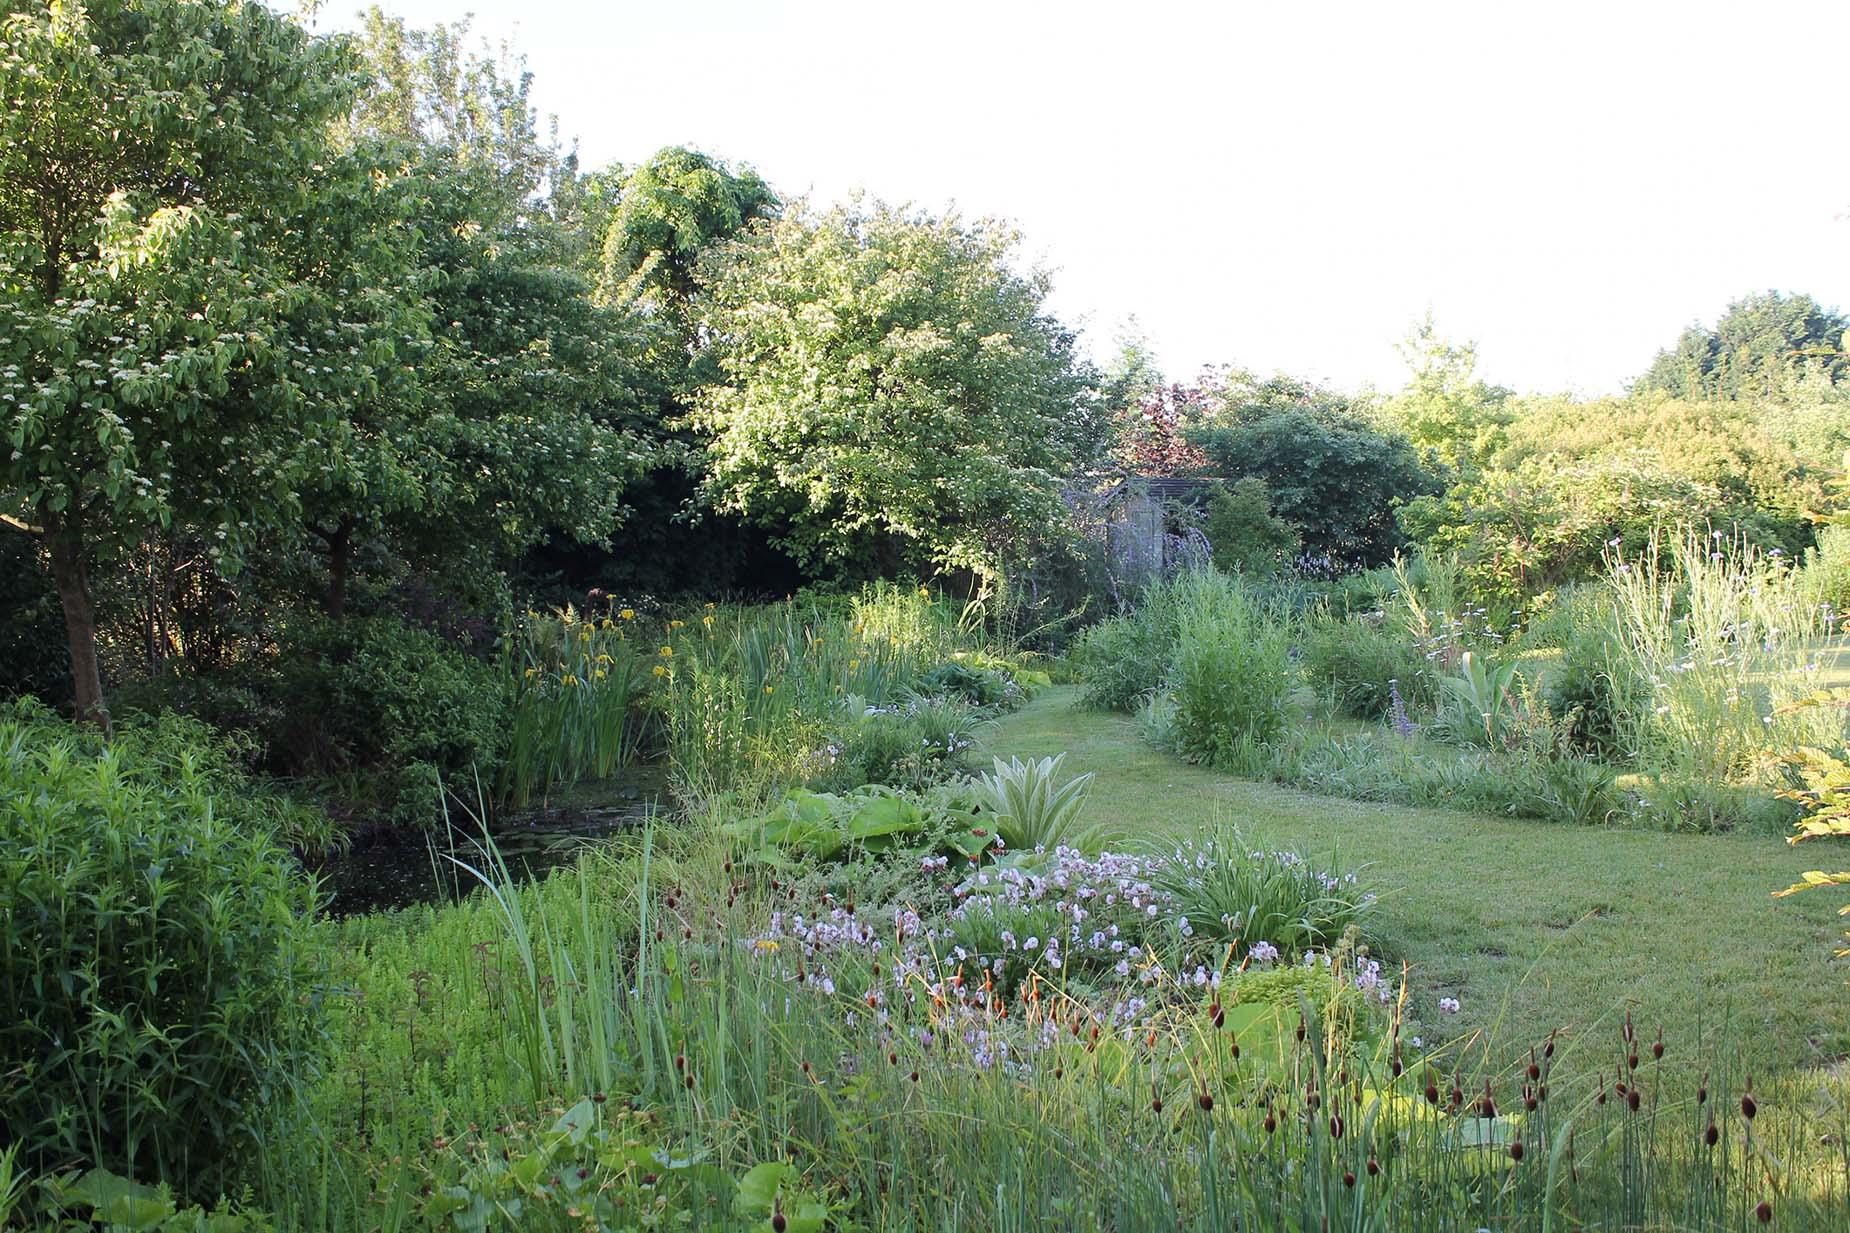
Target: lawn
(1532, 926)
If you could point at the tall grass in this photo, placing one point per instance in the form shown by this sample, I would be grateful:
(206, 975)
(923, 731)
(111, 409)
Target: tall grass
(576, 714)
(736, 698)
(615, 1020)
(1230, 678)
(1712, 640)
(749, 695)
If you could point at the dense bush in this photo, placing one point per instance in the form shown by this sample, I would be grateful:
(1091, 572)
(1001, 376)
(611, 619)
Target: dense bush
(1244, 535)
(1329, 473)
(1364, 663)
(912, 744)
(1579, 694)
(1119, 660)
(1577, 480)
(158, 1002)
(1230, 678)
(977, 686)
(1125, 658)
(1827, 569)
(398, 705)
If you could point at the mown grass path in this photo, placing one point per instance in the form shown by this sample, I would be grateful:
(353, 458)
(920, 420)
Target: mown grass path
(1533, 926)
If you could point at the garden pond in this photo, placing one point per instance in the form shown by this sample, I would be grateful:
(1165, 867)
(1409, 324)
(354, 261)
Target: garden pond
(395, 870)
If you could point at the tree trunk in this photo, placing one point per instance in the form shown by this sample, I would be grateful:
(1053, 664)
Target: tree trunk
(340, 552)
(68, 572)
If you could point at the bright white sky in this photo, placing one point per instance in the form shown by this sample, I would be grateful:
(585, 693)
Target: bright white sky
(1282, 185)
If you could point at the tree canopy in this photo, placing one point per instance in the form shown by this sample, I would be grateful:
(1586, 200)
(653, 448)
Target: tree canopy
(1330, 474)
(170, 323)
(891, 384)
(1760, 345)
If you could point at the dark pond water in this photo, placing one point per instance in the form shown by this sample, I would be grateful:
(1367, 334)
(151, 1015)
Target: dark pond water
(393, 871)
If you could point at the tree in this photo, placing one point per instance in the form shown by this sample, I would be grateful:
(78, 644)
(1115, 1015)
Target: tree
(1445, 408)
(1133, 376)
(890, 382)
(1577, 478)
(1331, 475)
(1761, 344)
(669, 212)
(522, 418)
(1244, 535)
(161, 346)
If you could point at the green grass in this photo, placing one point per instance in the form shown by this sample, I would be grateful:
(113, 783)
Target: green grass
(1533, 926)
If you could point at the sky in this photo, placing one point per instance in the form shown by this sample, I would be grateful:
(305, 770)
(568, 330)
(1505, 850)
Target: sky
(1280, 185)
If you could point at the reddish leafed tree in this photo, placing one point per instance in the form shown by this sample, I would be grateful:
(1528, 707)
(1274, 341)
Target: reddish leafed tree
(1151, 438)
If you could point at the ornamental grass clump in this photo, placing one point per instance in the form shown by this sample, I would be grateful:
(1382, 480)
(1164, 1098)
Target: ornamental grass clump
(1233, 896)
(1713, 641)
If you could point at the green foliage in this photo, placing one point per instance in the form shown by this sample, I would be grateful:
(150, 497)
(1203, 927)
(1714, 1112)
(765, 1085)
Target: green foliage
(1237, 898)
(1577, 479)
(829, 828)
(1230, 677)
(1824, 792)
(531, 413)
(911, 744)
(1362, 661)
(1123, 659)
(819, 691)
(1519, 782)
(1826, 576)
(588, 1166)
(74, 1203)
(670, 211)
(1578, 691)
(1712, 641)
(1327, 472)
(373, 696)
(724, 1059)
(975, 685)
(1244, 536)
(1481, 703)
(1032, 810)
(1444, 408)
(891, 385)
(1760, 346)
(577, 688)
(159, 991)
(171, 331)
